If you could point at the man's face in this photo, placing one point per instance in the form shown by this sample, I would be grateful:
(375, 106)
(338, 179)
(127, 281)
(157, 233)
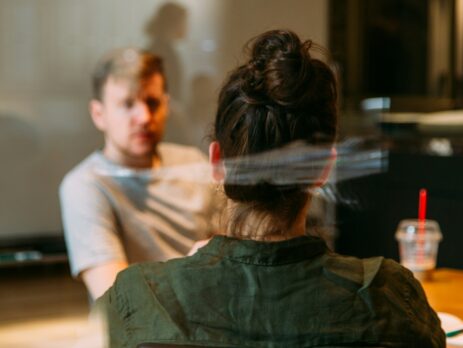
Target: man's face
(133, 118)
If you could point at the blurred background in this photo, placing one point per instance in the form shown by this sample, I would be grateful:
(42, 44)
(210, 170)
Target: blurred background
(400, 66)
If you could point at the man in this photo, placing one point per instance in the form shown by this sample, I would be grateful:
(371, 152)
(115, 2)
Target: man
(117, 209)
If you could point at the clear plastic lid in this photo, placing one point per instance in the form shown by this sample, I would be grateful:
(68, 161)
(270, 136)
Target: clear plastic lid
(409, 229)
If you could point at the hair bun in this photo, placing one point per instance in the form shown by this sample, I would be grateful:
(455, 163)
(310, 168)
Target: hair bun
(278, 70)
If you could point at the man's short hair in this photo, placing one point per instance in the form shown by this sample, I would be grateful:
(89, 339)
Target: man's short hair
(127, 63)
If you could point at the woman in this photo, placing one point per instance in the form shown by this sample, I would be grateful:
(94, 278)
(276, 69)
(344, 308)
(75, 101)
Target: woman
(265, 281)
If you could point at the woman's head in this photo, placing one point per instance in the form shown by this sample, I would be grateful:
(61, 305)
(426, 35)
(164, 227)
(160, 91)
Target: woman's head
(279, 96)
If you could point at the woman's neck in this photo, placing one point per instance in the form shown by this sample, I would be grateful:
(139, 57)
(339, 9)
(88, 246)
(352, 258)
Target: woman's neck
(257, 226)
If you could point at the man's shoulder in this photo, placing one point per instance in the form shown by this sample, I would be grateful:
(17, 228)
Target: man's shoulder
(82, 173)
(174, 154)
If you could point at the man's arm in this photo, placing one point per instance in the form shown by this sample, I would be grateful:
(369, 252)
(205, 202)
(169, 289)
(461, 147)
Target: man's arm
(197, 245)
(96, 253)
(98, 279)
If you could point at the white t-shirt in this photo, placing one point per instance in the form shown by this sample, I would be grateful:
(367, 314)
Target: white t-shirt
(114, 213)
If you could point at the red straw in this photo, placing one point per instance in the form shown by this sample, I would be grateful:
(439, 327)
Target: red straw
(422, 205)
(421, 223)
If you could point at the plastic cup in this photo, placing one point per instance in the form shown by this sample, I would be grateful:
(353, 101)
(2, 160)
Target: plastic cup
(418, 244)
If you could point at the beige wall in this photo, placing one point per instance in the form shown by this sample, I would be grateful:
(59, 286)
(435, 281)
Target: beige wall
(246, 19)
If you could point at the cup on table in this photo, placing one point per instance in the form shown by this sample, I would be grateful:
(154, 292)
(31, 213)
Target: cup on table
(418, 245)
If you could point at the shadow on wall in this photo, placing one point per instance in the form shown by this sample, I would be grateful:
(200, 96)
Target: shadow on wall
(167, 26)
(191, 109)
(164, 29)
(201, 109)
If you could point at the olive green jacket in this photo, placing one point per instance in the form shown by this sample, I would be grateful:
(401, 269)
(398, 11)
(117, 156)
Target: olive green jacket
(295, 293)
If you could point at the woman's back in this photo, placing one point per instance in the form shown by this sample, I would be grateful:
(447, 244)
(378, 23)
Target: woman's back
(294, 293)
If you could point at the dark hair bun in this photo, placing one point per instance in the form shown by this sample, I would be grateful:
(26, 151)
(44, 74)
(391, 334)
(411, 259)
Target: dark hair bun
(279, 69)
(279, 96)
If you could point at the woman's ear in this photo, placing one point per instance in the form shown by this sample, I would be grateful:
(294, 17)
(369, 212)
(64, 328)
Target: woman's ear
(325, 174)
(215, 159)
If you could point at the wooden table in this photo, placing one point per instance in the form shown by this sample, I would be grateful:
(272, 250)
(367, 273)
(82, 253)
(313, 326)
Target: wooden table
(445, 291)
(41, 306)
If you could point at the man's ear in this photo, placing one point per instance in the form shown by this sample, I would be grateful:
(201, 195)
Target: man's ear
(325, 174)
(96, 111)
(215, 159)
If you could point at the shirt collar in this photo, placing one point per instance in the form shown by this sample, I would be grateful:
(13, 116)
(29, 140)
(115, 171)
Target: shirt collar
(265, 253)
